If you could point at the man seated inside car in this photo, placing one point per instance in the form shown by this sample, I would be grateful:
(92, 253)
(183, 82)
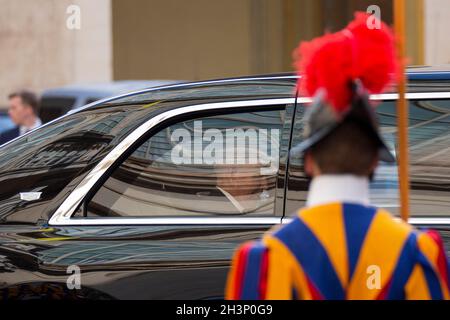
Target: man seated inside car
(245, 189)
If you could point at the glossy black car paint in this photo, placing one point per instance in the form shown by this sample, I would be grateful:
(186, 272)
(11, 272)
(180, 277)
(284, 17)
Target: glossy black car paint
(150, 262)
(119, 262)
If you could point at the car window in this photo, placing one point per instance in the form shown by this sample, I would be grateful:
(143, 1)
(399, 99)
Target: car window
(223, 165)
(36, 167)
(429, 139)
(430, 160)
(429, 129)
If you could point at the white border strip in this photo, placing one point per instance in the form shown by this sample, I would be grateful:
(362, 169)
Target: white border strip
(413, 220)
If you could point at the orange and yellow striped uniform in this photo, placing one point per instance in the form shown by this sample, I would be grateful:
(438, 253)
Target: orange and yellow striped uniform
(341, 251)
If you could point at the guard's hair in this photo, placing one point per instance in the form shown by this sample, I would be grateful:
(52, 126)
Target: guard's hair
(349, 149)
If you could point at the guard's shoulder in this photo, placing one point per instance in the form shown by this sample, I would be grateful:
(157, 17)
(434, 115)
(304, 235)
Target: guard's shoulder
(281, 228)
(249, 262)
(392, 225)
(431, 236)
(251, 247)
(427, 242)
(285, 233)
(432, 252)
(276, 232)
(430, 243)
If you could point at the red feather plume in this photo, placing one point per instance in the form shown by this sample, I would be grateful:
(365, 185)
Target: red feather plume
(332, 61)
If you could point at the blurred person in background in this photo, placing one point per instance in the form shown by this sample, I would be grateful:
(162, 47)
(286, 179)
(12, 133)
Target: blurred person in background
(23, 111)
(246, 190)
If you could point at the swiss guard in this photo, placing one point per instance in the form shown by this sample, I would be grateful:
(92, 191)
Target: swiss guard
(339, 246)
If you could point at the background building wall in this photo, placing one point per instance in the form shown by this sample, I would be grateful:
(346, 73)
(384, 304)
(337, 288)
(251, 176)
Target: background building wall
(38, 51)
(437, 28)
(188, 39)
(176, 39)
(208, 39)
(415, 40)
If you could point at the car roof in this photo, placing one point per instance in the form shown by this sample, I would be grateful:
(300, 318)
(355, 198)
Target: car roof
(439, 72)
(415, 72)
(106, 89)
(422, 79)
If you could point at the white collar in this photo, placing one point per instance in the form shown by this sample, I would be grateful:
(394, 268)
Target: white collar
(338, 188)
(24, 129)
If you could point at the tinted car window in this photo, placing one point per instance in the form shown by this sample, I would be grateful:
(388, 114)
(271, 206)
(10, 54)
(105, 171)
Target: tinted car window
(429, 134)
(430, 160)
(429, 155)
(218, 165)
(47, 160)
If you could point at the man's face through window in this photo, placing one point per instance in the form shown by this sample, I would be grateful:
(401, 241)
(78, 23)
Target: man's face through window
(241, 181)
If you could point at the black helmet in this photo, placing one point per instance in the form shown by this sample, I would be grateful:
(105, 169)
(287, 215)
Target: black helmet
(321, 120)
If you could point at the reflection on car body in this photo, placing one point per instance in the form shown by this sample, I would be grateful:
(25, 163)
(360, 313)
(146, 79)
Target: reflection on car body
(142, 225)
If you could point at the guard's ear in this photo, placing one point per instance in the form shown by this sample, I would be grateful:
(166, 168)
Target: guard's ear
(309, 164)
(375, 163)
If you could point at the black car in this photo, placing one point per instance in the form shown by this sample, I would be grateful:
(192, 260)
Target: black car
(112, 201)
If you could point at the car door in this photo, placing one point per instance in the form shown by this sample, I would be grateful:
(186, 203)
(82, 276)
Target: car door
(165, 219)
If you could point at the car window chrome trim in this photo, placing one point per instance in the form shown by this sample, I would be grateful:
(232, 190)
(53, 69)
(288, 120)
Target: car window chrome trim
(394, 96)
(63, 214)
(413, 220)
(429, 221)
(412, 96)
(212, 220)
